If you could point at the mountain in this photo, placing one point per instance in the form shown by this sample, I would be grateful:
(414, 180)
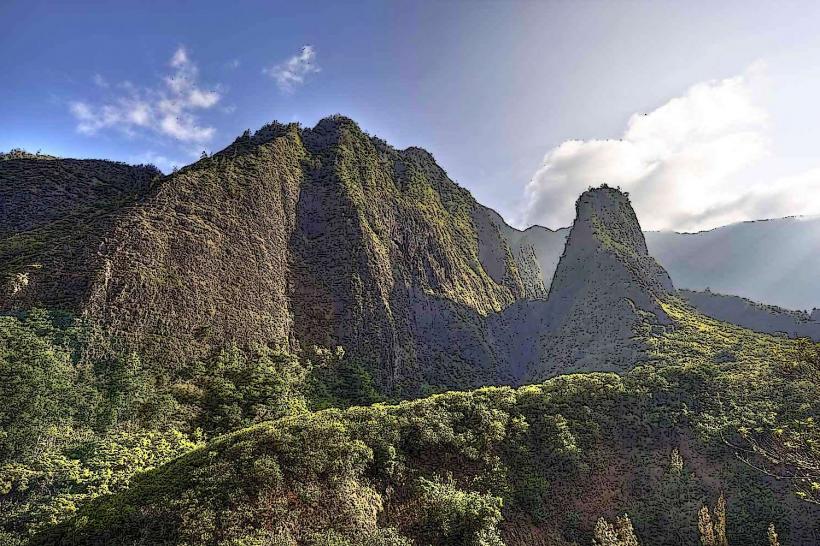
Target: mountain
(54, 215)
(604, 290)
(299, 237)
(769, 261)
(327, 236)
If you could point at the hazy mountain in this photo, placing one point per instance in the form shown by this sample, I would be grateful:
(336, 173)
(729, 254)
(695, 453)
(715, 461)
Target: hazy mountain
(770, 261)
(753, 315)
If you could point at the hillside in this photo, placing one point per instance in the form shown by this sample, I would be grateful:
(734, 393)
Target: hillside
(756, 316)
(536, 465)
(54, 215)
(748, 259)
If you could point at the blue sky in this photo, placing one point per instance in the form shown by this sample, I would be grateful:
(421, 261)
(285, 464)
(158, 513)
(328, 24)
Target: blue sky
(523, 103)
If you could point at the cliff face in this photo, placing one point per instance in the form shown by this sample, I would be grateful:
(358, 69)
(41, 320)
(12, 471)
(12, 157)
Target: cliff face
(54, 214)
(315, 236)
(327, 236)
(605, 292)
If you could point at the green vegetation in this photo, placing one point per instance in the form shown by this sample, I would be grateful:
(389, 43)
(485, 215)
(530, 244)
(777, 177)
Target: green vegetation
(665, 440)
(72, 429)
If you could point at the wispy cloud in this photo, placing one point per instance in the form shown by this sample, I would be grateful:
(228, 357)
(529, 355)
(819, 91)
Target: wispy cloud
(162, 162)
(293, 72)
(170, 109)
(681, 163)
(99, 81)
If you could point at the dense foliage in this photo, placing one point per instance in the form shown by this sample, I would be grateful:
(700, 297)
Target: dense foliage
(73, 428)
(713, 414)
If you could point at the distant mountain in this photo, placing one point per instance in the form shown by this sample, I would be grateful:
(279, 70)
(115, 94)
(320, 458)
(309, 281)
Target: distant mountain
(770, 261)
(755, 316)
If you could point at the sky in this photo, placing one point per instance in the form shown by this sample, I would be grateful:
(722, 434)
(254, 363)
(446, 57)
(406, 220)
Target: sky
(707, 113)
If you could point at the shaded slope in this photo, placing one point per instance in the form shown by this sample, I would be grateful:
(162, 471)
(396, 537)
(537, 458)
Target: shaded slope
(54, 215)
(752, 315)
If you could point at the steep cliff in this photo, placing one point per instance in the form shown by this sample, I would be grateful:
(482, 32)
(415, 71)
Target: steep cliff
(320, 236)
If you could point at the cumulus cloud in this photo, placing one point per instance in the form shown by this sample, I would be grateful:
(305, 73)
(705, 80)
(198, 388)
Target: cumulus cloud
(681, 164)
(170, 109)
(292, 72)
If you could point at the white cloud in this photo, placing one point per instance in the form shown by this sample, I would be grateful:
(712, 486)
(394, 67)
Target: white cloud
(162, 162)
(168, 110)
(293, 71)
(682, 164)
(99, 81)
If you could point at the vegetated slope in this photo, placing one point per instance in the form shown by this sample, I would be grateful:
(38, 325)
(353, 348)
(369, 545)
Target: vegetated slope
(536, 465)
(549, 246)
(54, 215)
(320, 236)
(756, 316)
(606, 290)
(770, 261)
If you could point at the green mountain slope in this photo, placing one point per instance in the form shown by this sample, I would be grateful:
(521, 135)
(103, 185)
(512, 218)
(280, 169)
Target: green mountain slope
(534, 465)
(54, 215)
(299, 237)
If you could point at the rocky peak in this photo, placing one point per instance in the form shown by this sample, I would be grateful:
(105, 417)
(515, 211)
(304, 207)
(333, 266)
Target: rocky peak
(605, 289)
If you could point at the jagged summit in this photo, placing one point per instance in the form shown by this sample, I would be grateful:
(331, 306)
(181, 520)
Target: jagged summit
(328, 236)
(606, 288)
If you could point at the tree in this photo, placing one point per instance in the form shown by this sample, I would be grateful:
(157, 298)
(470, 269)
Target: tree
(619, 533)
(712, 527)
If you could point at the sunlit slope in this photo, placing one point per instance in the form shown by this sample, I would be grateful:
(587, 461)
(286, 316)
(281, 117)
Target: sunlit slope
(534, 465)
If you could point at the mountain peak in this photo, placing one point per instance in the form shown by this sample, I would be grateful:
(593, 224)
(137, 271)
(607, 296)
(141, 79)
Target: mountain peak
(605, 288)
